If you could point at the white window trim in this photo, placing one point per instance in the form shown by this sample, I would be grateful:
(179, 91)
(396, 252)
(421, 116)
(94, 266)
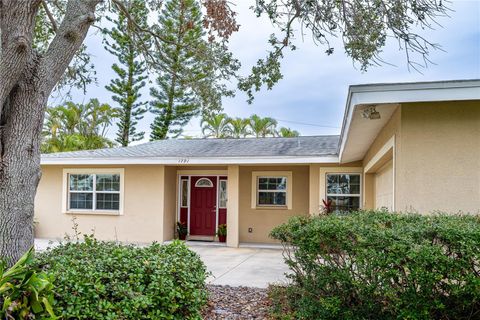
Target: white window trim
(272, 174)
(94, 171)
(359, 195)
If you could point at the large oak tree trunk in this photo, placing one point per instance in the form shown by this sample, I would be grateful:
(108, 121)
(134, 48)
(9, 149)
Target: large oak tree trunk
(26, 81)
(20, 169)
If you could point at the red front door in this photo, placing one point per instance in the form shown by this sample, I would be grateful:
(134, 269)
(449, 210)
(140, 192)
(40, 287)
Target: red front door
(203, 200)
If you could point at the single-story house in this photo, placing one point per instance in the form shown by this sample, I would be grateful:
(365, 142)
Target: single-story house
(403, 147)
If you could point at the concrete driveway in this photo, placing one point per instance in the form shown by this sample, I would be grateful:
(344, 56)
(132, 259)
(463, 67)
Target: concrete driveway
(249, 267)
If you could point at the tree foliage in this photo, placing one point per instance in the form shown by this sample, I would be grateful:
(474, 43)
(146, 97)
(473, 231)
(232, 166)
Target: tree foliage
(131, 71)
(215, 126)
(190, 69)
(364, 26)
(222, 126)
(72, 127)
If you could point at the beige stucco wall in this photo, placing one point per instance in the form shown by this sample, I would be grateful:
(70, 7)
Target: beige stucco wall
(170, 202)
(141, 222)
(392, 131)
(263, 220)
(383, 187)
(438, 165)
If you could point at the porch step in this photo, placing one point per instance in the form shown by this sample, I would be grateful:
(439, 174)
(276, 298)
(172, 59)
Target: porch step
(201, 238)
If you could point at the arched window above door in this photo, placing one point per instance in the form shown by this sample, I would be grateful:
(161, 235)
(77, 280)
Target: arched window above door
(204, 183)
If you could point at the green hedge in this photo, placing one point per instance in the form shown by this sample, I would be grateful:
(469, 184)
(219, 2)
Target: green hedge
(379, 265)
(106, 280)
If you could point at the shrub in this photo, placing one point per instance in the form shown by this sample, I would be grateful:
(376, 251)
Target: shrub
(106, 280)
(25, 292)
(379, 265)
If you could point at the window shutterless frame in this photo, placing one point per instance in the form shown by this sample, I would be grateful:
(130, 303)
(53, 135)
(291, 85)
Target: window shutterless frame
(352, 195)
(271, 191)
(67, 173)
(94, 192)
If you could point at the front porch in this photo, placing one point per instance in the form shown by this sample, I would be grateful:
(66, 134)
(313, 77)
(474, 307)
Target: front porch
(250, 200)
(207, 198)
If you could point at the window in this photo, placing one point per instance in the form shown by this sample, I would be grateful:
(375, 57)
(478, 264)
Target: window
(344, 191)
(93, 191)
(204, 183)
(272, 191)
(222, 191)
(184, 193)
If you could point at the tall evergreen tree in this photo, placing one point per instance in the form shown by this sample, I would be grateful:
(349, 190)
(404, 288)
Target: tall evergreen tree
(191, 70)
(122, 40)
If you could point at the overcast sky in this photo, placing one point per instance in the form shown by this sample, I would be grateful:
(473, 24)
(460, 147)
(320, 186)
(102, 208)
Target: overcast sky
(311, 97)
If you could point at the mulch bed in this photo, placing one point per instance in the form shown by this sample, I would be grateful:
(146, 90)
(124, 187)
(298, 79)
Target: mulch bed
(237, 303)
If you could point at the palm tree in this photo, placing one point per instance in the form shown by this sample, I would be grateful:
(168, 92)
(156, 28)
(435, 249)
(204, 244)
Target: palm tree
(262, 127)
(215, 126)
(287, 133)
(238, 127)
(72, 127)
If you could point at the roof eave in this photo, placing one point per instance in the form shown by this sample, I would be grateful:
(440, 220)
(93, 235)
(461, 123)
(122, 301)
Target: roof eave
(191, 161)
(410, 92)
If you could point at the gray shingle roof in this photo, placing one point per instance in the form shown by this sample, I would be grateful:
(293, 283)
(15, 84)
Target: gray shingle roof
(206, 148)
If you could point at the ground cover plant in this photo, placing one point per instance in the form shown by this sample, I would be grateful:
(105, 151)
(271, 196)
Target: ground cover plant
(25, 291)
(380, 265)
(107, 280)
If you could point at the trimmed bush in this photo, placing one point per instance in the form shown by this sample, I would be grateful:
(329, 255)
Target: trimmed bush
(106, 280)
(379, 265)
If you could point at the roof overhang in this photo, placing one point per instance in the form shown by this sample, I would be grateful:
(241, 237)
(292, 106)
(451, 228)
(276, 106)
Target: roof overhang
(188, 161)
(359, 133)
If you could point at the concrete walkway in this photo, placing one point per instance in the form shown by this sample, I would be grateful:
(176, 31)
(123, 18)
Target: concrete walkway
(250, 267)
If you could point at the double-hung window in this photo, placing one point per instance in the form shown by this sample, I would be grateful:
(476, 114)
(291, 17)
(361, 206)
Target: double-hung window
(95, 192)
(343, 190)
(272, 191)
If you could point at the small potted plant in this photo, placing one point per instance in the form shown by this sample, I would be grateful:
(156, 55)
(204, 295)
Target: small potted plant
(222, 233)
(182, 230)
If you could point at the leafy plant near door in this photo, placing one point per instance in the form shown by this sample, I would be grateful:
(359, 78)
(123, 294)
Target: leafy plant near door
(222, 232)
(182, 230)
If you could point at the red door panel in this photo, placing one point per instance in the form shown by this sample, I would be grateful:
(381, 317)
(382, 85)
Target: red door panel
(203, 202)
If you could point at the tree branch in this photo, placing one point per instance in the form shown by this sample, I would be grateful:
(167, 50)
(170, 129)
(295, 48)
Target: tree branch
(50, 16)
(79, 16)
(127, 14)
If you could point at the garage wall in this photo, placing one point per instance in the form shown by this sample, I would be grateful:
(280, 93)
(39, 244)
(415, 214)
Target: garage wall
(392, 131)
(438, 167)
(384, 187)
